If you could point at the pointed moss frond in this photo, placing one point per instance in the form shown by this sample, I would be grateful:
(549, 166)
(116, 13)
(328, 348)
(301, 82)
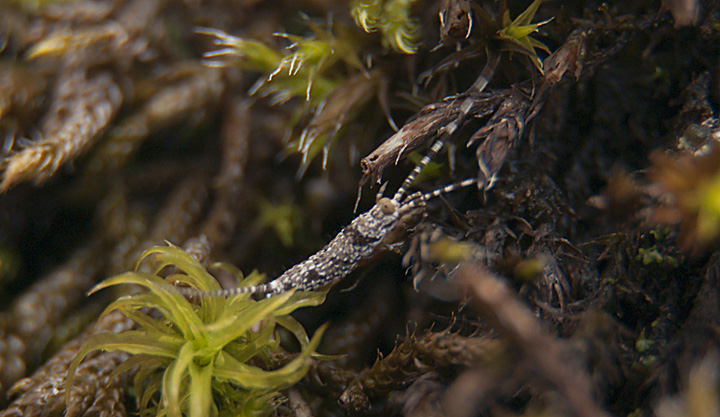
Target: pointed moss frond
(399, 30)
(338, 109)
(300, 71)
(518, 32)
(187, 351)
(82, 109)
(367, 13)
(316, 53)
(244, 53)
(322, 68)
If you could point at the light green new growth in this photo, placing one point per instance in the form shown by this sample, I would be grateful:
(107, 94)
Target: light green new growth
(367, 14)
(282, 218)
(519, 30)
(708, 208)
(392, 17)
(311, 56)
(245, 53)
(299, 72)
(307, 69)
(187, 351)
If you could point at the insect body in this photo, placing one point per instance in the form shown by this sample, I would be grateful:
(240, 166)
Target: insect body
(359, 240)
(355, 243)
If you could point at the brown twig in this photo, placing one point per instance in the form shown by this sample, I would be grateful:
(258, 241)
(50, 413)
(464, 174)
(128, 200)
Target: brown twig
(512, 320)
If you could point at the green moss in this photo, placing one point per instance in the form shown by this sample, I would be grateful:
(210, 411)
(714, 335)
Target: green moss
(188, 351)
(518, 32)
(282, 218)
(708, 223)
(657, 254)
(322, 68)
(302, 69)
(399, 30)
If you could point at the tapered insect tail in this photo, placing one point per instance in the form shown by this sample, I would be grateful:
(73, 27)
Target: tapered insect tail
(225, 292)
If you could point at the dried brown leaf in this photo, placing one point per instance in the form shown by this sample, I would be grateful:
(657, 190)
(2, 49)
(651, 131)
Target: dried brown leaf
(413, 357)
(502, 133)
(422, 129)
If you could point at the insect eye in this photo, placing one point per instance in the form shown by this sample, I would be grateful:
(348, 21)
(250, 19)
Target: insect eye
(386, 205)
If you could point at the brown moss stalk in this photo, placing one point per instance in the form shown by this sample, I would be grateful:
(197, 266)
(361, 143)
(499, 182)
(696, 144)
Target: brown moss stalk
(17, 87)
(413, 357)
(175, 101)
(173, 222)
(31, 320)
(219, 225)
(81, 110)
(43, 393)
(517, 324)
(181, 210)
(97, 391)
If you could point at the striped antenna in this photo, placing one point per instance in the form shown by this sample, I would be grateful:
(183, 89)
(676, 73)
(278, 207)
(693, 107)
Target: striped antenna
(450, 188)
(419, 198)
(445, 132)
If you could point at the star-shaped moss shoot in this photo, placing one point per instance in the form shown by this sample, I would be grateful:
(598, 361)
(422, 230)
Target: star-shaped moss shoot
(519, 30)
(202, 357)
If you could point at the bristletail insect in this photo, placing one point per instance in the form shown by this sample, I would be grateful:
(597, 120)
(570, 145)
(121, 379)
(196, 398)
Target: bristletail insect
(355, 243)
(359, 240)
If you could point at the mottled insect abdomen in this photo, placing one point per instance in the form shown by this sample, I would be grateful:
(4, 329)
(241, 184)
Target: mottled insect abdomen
(356, 242)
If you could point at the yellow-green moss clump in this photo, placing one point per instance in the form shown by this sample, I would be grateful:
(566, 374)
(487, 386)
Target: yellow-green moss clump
(189, 351)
